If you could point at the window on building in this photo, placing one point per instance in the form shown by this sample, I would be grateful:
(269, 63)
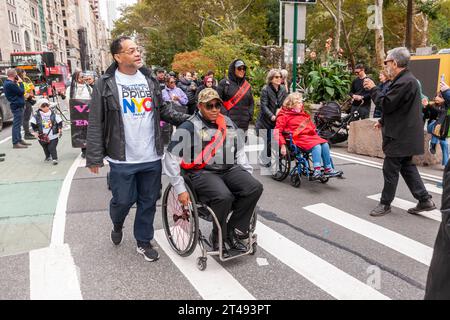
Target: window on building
(66, 33)
(12, 36)
(27, 41)
(33, 12)
(65, 23)
(64, 13)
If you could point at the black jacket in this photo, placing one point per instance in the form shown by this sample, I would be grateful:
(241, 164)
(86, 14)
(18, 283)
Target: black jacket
(271, 101)
(241, 113)
(106, 135)
(402, 130)
(438, 281)
(189, 87)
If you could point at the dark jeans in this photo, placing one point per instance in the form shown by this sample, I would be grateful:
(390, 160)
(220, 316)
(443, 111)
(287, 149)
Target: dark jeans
(135, 183)
(235, 190)
(50, 148)
(392, 167)
(17, 124)
(27, 111)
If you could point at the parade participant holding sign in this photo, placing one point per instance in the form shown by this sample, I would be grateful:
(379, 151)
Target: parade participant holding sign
(236, 93)
(79, 93)
(212, 154)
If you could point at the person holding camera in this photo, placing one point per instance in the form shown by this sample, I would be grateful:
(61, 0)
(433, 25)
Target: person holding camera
(47, 127)
(29, 102)
(14, 90)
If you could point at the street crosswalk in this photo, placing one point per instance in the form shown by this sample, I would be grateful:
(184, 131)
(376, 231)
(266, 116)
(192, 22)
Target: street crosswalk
(217, 282)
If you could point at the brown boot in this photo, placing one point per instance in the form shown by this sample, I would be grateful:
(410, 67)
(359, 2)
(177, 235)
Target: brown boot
(19, 146)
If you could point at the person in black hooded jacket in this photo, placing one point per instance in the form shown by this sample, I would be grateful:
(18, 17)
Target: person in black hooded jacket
(239, 110)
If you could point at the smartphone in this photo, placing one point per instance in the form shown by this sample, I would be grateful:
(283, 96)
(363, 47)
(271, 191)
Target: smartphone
(443, 77)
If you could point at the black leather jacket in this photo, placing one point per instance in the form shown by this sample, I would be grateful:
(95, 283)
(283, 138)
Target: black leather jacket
(106, 135)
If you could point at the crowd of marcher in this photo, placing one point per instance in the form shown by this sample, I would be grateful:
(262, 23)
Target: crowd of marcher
(130, 105)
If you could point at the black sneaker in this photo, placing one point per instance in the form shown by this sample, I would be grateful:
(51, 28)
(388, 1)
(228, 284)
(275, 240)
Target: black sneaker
(380, 210)
(48, 159)
(148, 252)
(432, 148)
(29, 136)
(116, 236)
(427, 205)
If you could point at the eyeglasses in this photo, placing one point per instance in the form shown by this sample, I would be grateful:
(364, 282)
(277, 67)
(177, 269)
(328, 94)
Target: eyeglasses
(210, 106)
(277, 77)
(172, 82)
(386, 61)
(243, 68)
(132, 51)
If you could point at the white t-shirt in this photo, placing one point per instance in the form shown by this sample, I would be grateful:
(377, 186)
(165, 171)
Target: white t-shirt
(47, 123)
(136, 105)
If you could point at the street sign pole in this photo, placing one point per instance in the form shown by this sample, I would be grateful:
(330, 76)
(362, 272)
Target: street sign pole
(294, 58)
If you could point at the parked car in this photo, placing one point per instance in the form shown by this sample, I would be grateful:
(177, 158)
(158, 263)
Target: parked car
(5, 111)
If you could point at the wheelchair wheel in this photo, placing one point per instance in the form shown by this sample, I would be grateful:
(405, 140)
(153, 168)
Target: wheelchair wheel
(253, 220)
(180, 224)
(296, 181)
(280, 168)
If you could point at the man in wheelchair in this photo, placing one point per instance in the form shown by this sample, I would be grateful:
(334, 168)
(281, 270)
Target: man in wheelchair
(292, 118)
(210, 151)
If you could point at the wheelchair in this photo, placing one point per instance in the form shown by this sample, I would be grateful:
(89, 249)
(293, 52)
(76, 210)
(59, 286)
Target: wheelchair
(281, 167)
(181, 226)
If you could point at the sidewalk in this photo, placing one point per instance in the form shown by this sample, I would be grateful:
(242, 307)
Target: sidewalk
(29, 191)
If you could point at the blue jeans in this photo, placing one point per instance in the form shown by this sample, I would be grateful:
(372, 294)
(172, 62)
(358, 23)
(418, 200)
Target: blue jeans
(319, 153)
(17, 124)
(436, 140)
(135, 183)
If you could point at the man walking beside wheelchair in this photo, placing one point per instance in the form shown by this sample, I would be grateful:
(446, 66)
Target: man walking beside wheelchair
(211, 154)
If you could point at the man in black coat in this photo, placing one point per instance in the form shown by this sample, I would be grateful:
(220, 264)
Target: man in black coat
(402, 130)
(360, 96)
(237, 95)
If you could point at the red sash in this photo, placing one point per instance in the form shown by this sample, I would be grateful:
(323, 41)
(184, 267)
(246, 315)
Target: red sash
(210, 150)
(238, 96)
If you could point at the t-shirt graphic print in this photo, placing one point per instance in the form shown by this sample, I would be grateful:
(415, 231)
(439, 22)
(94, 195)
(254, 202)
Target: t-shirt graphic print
(138, 118)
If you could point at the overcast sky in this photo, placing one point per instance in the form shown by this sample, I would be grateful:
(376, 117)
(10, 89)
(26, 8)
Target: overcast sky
(103, 11)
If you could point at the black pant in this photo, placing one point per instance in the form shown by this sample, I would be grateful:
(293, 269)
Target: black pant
(50, 148)
(27, 111)
(235, 190)
(438, 281)
(392, 166)
(364, 112)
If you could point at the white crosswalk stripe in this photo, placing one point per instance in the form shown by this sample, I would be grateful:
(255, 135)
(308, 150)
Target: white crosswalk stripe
(433, 188)
(215, 283)
(386, 237)
(405, 205)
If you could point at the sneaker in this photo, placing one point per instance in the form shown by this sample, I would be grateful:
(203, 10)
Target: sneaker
(432, 148)
(380, 210)
(55, 162)
(317, 174)
(2, 155)
(2, 159)
(25, 143)
(29, 136)
(19, 146)
(48, 159)
(427, 205)
(333, 173)
(116, 235)
(148, 252)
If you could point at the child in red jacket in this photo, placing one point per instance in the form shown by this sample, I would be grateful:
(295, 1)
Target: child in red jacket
(293, 118)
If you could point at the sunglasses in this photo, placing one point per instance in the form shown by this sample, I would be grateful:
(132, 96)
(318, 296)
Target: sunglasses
(386, 61)
(210, 106)
(277, 77)
(241, 68)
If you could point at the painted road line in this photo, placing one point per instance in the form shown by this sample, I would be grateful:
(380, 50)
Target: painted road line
(53, 274)
(59, 221)
(405, 205)
(215, 283)
(377, 165)
(433, 188)
(386, 237)
(4, 140)
(332, 280)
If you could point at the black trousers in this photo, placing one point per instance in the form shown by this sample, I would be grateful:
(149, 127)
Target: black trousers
(392, 167)
(438, 281)
(27, 111)
(50, 148)
(364, 112)
(235, 190)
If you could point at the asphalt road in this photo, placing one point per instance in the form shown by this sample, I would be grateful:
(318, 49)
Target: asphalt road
(315, 242)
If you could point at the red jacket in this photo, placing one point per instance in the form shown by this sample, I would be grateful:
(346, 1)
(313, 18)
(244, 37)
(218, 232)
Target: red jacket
(300, 125)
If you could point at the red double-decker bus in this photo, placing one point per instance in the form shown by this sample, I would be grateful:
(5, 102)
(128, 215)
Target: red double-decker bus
(48, 78)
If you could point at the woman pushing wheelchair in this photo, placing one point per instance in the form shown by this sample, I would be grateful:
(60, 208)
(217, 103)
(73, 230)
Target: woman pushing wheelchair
(293, 119)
